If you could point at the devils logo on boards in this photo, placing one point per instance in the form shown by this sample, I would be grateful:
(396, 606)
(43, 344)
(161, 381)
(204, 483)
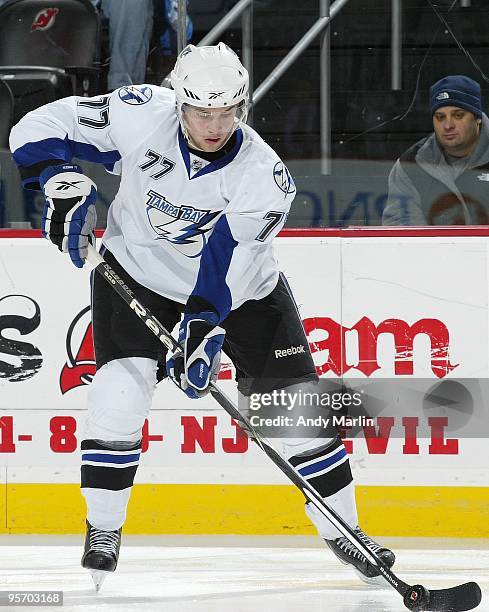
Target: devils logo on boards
(80, 366)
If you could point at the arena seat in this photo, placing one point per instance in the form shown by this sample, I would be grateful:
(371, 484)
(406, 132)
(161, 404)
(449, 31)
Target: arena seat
(48, 50)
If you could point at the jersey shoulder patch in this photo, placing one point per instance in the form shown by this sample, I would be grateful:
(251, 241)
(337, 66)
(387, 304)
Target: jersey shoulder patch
(283, 178)
(135, 95)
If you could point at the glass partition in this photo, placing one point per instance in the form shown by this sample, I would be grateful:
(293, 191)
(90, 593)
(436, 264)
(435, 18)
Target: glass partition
(372, 125)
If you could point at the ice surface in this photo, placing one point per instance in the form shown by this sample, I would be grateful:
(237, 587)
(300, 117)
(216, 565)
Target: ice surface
(217, 578)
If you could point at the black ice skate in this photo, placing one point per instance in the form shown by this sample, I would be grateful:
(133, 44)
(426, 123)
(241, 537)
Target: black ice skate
(101, 553)
(349, 555)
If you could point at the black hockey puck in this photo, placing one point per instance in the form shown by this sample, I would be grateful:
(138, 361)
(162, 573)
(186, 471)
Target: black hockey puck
(417, 598)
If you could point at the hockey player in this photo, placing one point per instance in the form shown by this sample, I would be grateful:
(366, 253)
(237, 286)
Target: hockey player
(190, 230)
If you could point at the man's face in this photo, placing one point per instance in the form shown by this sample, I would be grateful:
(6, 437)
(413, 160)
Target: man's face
(456, 129)
(209, 129)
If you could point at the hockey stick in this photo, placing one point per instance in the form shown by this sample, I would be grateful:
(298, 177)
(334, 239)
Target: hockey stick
(416, 598)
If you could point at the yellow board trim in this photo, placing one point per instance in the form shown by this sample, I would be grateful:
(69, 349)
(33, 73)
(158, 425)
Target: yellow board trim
(461, 512)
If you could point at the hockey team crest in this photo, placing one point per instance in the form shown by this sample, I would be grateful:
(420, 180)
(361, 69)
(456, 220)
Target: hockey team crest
(282, 178)
(44, 19)
(80, 367)
(135, 95)
(184, 226)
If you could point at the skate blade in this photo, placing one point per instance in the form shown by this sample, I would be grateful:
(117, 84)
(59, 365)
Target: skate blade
(98, 577)
(377, 581)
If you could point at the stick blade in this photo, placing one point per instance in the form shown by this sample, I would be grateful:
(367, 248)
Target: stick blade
(457, 599)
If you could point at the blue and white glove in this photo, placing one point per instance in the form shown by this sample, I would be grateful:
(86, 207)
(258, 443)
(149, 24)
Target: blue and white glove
(197, 364)
(69, 217)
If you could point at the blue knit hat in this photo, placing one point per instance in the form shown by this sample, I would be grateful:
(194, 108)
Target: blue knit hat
(459, 91)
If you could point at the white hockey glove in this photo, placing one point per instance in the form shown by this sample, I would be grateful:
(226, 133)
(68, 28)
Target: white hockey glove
(69, 217)
(197, 364)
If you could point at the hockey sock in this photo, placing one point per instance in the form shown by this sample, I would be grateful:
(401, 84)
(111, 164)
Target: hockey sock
(327, 469)
(107, 475)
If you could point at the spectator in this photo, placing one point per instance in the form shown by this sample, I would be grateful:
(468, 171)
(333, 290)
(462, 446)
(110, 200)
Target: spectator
(443, 178)
(168, 38)
(130, 29)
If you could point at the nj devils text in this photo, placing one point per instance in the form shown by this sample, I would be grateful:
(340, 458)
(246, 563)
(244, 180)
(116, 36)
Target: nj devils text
(201, 435)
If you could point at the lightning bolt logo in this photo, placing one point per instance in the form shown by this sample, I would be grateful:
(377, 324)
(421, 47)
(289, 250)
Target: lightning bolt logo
(183, 226)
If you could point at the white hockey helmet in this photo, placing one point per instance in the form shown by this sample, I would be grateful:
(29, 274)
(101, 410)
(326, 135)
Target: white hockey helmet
(210, 77)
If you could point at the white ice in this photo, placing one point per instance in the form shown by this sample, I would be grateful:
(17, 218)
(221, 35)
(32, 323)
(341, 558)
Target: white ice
(238, 574)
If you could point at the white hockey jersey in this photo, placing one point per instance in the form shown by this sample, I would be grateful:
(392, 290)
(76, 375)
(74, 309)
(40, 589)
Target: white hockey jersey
(179, 225)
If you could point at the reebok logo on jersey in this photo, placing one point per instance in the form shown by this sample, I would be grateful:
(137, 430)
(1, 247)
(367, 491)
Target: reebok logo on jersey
(293, 350)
